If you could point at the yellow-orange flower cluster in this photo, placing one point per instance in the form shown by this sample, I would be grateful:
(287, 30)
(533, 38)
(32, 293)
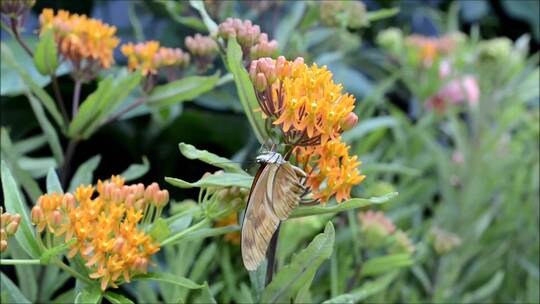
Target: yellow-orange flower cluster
(312, 112)
(79, 37)
(105, 227)
(9, 223)
(150, 57)
(231, 219)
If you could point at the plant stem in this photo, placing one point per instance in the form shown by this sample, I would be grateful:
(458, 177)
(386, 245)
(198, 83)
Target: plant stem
(17, 36)
(71, 271)
(18, 262)
(70, 151)
(182, 233)
(271, 257)
(76, 97)
(59, 99)
(132, 106)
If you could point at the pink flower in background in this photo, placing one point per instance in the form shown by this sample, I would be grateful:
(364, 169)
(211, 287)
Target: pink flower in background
(457, 91)
(444, 69)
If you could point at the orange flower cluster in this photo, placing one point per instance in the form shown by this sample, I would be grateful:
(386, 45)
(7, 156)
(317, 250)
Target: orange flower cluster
(79, 37)
(9, 223)
(430, 48)
(231, 219)
(150, 57)
(104, 227)
(311, 112)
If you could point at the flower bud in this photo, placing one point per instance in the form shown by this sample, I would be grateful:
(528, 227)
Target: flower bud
(3, 245)
(11, 228)
(401, 244)
(141, 264)
(5, 219)
(3, 234)
(263, 48)
(444, 241)
(117, 195)
(130, 201)
(161, 198)
(55, 219)
(260, 82)
(37, 215)
(391, 39)
(150, 192)
(349, 121)
(140, 204)
(375, 228)
(68, 201)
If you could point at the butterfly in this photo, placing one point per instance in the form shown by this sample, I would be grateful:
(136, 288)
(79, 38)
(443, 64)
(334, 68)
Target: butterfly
(276, 191)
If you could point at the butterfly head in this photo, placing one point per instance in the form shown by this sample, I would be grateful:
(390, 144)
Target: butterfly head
(270, 158)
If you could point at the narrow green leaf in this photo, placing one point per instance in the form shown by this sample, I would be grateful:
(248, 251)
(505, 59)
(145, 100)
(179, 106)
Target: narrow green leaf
(222, 180)
(53, 183)
(47, 128)
(288, 23)
(485, 291)
(245, 90)
(26, 274)
(367, 289)
(184, 89)
(174, 10)
(85, 173)
(191, 152)
(89, 295)
(382, 14)
(37, 166)
(347, 205)
(135, 171)
(204, 262)
(14, 295)
(386, 263)
(29, 144)
(14, 204)
(46, 99)
(168, 278)
(300, 272)
(210, 24)
(205, 296)
(369, 125)
(116, 298)
(210, 232)
(46, 54)
(66, 297)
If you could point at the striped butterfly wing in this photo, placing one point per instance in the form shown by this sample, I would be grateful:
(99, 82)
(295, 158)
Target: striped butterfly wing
(275, 192)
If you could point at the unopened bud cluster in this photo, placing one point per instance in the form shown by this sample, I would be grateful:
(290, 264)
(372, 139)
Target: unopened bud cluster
(377, 230)
(351, 14)
(444, 241)
(264, 72)
(219, 203)
(254, 43)
(9, 223)
(203, 48)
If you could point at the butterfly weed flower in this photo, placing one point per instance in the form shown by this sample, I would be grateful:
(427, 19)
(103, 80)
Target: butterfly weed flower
(203, 48)
(9, 223)
(149, 57)
(87, 43)
(107, 223)
(350, 14)
(310, 112)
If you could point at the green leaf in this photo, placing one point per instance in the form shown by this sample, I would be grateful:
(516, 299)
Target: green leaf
(66, 297)
(210, 232)
(116, 298)
(300, 272)
(168, 278)
(46, 55)
(174, 9)
(288, 23)
(12, 158)
(91, 107)
(53, 183)
(85, 173)
(14, 295)
(221, 180)
(191, 152)
(382, 14)
(53, 252)
(483, 292)
(367, 289)
(205, 296)
(47, 128)
(37, 166)
(387, 263)
(89, 295)
(210, 24)
(14, 204)
(245, 90)
(36, 88)
(160, 230)
(29, 144)
(135, 171)
(347, 205)
(184, 89)
(369, 125)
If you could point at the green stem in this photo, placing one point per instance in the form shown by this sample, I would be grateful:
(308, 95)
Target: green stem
(18, 262)
(182, 233)
(178, 215)
(71, 271)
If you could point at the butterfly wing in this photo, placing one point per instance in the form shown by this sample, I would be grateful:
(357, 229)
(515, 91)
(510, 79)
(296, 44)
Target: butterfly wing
(275, 192)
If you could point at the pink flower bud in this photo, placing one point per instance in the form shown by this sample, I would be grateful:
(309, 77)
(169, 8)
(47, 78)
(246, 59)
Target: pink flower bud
(139, 204)
(68, 202)
(260, 82)
(349, 121)
(118, 244)
(130, 200)
(5, 219)
(3, 234)
(11, 228)
(55, 219)
(117, 195)
(37, 215)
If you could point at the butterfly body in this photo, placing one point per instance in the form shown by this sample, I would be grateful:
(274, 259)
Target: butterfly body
(276, 190)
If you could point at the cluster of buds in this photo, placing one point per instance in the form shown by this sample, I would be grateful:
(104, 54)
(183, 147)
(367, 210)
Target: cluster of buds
(219, 203)
(87, 43)
(254, 43)
(332, 13)
(496, 49)
(402, 243)
(391, 39)
(105, 228)
(444, 241)
(14, 9)
(9, 223)
(430, 49)
(149, 57)
(375, 228)
(203, 48)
